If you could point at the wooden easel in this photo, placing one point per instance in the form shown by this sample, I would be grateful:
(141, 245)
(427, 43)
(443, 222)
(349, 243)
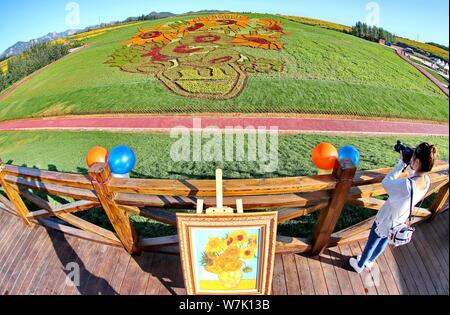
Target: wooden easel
(219, 209)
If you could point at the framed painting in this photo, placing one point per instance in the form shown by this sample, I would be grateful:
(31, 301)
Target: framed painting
(227, 254)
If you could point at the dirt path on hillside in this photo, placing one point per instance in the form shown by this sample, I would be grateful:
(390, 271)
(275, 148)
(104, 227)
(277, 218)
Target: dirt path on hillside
(401, 53)
(285, 125)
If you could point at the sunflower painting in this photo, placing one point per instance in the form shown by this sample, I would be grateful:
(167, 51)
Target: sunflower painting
(227, 254)
(227, 259)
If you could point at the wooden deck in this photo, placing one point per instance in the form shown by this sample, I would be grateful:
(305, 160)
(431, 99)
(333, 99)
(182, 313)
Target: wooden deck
(32, 261)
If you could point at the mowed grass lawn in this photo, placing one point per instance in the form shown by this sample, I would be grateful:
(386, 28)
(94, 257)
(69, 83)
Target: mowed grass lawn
(65, 152)
(327, 72)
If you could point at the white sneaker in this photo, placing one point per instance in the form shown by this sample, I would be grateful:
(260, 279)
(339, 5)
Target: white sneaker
(369, 264)
(354, 263)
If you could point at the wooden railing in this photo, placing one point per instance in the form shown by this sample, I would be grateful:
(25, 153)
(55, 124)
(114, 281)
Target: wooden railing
(155, 199)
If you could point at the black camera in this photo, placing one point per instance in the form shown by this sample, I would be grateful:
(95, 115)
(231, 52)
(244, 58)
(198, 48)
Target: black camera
(407, 152)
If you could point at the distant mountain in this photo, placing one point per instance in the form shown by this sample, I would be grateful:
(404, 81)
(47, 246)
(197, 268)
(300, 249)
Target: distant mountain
(151, 16)
(20, 47)
(208, 11)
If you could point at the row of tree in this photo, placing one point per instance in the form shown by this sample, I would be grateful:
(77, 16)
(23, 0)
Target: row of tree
(31, 60)
(372, 33)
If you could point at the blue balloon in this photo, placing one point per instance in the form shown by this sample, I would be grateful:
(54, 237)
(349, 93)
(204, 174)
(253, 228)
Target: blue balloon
(121, 160)
(349, 152)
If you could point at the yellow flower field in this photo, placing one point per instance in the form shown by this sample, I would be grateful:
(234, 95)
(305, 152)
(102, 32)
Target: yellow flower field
(99, 31)
(439, 52)
(320, 23)
(4, 66)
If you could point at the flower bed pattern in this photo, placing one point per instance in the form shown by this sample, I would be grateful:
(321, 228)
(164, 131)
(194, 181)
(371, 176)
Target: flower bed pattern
(200, 58)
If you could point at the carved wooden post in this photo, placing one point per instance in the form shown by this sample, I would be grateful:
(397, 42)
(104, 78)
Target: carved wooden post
(14, 196)
(344, 172)
(439, 201)
(100, 176)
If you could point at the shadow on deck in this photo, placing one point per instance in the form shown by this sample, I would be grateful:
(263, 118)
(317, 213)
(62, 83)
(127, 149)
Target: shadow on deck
(34, 261)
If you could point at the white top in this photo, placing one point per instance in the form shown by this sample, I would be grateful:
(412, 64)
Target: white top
(396, 209)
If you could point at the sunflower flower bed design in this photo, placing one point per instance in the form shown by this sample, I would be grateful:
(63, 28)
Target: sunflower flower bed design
(200, 57)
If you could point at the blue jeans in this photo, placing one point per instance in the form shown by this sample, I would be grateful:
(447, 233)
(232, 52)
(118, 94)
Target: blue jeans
(374, 247)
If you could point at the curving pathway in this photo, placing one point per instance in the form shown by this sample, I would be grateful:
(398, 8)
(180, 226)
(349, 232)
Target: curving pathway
(164, 123)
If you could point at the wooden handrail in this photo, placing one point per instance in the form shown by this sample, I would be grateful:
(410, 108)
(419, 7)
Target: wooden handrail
(196, 188)
(66, 179)
(292, 197)
(250, 202)
(207, 188)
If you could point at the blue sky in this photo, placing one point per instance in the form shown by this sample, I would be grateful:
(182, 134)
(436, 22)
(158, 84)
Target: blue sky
(22, 20)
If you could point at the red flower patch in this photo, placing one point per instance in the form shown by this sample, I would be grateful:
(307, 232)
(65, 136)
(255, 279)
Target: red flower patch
(210, 38)
(183, 49)
(258, 40)
(227, 22)
(276, 28)
(155, 53)
(221, 60)
(150, 35)
(195, 27)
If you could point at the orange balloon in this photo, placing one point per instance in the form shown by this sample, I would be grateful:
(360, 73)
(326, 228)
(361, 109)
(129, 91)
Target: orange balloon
(324, 156)
(96, 155)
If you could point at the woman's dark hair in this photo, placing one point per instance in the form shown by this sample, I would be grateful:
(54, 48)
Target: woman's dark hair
(426, 153)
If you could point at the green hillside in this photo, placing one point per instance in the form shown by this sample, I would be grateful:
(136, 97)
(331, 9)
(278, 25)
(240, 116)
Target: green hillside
(284, 67)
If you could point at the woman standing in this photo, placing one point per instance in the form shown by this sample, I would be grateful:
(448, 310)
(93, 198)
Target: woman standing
(396, 209)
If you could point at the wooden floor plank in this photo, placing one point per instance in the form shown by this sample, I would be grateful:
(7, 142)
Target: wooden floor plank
(107, 273)
(118, 275)
(154, 283)
(436, 243)
(366, 277)
(304, 275)
(431, 263)
(329, 273)
(37, 264)
(64, 255)
(92, 267)
(99, 271)
(179, 288)
(35, 286)
(10, 259)
(86, 261)
(431, 243)
(10, 242)
(339, 263)
(377, 277)
(145, 261)
(387, 275)
(319, 283)
(420, 267)
(82, 252)
(71, 258)
(355, 279)
(9, 239)
(55, 267)
(20, 259)
(32, 261)
(279, 281)
(28, 261)
(291, 275)
(404, 269)
(441, 233)
(167, 277)
(395, 271)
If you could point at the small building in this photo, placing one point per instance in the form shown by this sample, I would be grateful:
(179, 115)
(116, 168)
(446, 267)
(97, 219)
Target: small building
(382, 41)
